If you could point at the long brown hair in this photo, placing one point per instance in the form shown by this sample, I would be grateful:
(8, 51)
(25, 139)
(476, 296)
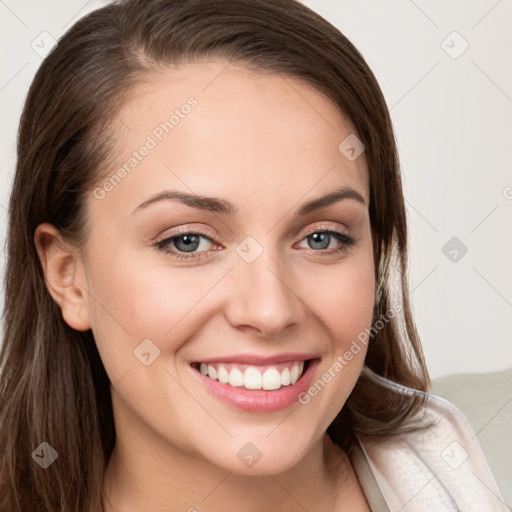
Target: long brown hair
(53, 386)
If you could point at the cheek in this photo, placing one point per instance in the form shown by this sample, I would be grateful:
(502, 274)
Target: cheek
(344, 300)
(343, 304)
(130, 303)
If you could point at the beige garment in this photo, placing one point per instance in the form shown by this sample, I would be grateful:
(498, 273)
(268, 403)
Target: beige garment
(441, 468)
(367, 480)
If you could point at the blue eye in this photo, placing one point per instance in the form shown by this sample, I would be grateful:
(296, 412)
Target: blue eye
(322, 239)
(194, 246)
(184, 243)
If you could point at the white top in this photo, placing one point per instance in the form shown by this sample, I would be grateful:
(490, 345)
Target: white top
(438, 469)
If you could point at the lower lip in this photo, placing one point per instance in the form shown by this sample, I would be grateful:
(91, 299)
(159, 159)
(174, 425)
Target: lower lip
(260, 400)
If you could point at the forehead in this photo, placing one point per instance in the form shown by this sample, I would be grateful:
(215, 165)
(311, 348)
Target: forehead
(217, 128)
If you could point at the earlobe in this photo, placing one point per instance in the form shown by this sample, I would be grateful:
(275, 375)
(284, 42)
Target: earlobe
(64, 276)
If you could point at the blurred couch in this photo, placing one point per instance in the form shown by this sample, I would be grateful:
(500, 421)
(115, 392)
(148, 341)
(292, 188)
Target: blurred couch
(486, 401)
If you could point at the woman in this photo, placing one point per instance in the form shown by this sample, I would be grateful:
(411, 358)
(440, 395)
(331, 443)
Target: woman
(206, 296)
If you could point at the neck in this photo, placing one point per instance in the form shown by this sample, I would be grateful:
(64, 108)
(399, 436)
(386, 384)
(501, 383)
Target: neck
(147, 473)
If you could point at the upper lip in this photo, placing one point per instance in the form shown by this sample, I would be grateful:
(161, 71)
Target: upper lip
(258, 360)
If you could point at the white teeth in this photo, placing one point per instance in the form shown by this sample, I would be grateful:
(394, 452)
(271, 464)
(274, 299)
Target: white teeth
(236, 377)
(252, 378)
(294, 374)
(223, 374)
(286, 379)
(271, 379)
(212, 372)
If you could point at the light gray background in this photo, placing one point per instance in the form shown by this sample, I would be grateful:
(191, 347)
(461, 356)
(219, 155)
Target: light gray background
(452, 114)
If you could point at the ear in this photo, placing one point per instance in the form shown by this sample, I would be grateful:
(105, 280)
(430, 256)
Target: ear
(64, 276)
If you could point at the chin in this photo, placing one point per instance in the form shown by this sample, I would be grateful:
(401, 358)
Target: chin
(260, 456)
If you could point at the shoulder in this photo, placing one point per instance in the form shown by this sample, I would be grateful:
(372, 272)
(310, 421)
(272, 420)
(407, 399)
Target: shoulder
(439, 463)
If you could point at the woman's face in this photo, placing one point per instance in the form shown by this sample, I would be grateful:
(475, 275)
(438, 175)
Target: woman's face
(262, 284)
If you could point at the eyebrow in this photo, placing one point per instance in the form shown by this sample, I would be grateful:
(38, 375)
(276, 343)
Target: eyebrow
(218, 205)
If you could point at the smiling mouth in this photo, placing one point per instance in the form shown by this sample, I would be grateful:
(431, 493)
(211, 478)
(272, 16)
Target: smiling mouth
(253, 377)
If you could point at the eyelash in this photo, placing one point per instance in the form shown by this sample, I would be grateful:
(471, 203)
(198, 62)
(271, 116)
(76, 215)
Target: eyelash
(163, 245)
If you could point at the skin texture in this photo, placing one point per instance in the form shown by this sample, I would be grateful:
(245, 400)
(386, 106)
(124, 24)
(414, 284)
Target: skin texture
(267, 143)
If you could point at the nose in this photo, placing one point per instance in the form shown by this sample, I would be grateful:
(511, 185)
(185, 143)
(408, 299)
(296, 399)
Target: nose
(263, 296)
